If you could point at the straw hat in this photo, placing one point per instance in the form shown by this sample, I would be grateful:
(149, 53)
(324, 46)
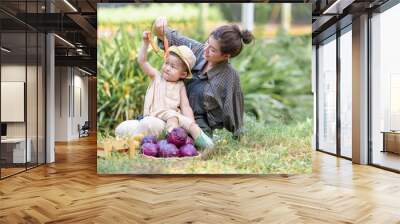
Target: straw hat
(186, 55)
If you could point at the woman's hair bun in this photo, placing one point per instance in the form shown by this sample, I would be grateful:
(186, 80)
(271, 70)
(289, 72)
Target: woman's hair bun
(247, 36)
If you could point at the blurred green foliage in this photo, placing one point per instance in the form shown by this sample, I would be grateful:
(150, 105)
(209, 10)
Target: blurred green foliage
(276, 78)
(121, 84)
(263, 13)
(143, 13)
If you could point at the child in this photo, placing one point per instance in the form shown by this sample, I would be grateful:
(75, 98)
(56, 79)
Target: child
(166, 96)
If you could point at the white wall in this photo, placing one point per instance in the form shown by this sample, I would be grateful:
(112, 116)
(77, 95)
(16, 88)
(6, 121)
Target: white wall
(61, 103)
(80, 94)
(12, 101)
(70, 83)
(33, 127)
(14, 73)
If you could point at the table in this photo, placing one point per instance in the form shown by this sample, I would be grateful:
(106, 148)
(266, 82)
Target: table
(16, 148)
(391, 141)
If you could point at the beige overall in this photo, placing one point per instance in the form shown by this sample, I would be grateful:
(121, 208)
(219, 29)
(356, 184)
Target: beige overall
(163, 101)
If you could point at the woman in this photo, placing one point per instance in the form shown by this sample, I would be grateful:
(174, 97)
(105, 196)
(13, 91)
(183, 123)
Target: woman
(214, 92)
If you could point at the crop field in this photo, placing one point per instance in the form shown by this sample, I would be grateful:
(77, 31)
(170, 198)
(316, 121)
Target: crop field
(264, 149)
(275, 77)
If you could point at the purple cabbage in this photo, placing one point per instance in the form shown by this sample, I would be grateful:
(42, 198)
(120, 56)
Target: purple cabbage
(168, 150)
(177, 137)
(162, 142)
(188, 150)
(149, 139)
(189, 140)
(150, 149)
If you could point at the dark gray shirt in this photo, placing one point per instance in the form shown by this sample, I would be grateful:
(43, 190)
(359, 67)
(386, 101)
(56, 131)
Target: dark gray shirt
(215, 96)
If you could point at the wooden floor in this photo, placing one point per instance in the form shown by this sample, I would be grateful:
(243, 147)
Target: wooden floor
(10, 171)
(5, 172)
(70, 191)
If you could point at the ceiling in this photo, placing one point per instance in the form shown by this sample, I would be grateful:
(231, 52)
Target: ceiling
(330, 15)
(74, 22)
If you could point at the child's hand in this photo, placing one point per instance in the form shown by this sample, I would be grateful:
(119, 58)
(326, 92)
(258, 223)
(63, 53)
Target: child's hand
(146, 37)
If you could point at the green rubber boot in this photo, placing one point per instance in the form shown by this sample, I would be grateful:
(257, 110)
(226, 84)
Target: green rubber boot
(206, 143)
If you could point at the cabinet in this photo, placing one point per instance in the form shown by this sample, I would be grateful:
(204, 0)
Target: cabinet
(391, 141)
(13, 150)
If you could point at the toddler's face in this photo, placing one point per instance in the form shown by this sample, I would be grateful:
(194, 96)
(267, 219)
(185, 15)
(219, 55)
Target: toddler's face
(173, 69)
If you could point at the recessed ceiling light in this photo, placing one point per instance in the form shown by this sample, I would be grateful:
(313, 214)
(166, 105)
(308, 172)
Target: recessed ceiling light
(5, 50)
(64, 40)
(337, 7)
(70, 5)
(84, 71)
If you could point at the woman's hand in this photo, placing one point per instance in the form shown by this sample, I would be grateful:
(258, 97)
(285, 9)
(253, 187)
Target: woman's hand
(160, 25)
(146, 37)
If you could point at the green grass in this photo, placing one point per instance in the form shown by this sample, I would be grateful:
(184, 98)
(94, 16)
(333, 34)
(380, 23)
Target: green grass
(264, 149)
